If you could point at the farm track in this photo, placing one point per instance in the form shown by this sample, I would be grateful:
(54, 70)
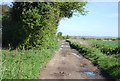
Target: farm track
(70, 64)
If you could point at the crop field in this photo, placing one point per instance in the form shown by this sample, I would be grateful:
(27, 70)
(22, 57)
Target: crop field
(104, 53)
(106, 47)
(107, 43)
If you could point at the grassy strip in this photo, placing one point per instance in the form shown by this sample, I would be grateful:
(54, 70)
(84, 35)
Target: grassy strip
(108, 63)
(24, 64)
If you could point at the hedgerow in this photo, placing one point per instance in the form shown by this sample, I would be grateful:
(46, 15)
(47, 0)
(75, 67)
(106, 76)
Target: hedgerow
(34, 24)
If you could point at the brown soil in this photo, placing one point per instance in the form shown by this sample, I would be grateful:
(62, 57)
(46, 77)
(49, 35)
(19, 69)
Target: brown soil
(65, 65)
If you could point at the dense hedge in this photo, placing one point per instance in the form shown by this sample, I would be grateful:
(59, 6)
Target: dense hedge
(34, 24)
(108, 63)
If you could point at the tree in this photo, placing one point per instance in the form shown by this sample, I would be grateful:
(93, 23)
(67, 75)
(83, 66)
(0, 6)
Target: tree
(59, 35)
(67, 37)
(34, 24)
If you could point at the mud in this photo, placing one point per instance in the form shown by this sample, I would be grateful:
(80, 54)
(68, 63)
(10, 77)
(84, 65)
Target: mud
(70, 64)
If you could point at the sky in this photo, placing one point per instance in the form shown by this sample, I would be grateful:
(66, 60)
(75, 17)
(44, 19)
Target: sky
(101, 20)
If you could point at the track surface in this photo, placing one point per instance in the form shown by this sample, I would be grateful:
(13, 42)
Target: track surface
(70, 64)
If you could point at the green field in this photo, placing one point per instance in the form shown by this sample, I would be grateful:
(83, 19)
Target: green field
(107, 43)
(106, 47)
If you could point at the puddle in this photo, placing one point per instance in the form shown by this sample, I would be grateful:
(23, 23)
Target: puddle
(89, 73)
(61, 48)
(77, 55)
(65, 46)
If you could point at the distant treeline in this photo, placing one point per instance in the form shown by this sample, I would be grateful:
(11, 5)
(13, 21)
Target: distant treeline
(90, 38)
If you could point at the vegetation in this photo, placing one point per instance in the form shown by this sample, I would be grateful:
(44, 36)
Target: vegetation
(32, 26)
(24, 64)
(59, 35)
(109, 63)
(35, 23)
(108, 43)
(93, 38)
(107, 47)
(29, 29)
(67, 37)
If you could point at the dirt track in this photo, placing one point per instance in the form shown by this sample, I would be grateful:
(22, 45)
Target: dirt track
(66, 64)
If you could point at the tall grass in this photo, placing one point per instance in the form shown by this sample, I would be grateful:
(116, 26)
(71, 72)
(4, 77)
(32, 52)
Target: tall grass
(24, 64)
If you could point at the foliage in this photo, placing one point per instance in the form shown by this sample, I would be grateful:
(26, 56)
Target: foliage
(25, 64)
(109, 63)
(59, 35)
(5, 9)
(34, 24)
(67, 37)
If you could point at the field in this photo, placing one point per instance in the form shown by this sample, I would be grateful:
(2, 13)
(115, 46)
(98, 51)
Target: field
(103, 53)
(109, 43)
(107, 47)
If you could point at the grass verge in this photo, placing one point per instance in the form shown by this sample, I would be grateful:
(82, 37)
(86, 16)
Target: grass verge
(24, 64)
(108, 63)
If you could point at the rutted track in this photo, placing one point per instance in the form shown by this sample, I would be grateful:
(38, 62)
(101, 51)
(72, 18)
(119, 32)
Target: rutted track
(70, 64)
